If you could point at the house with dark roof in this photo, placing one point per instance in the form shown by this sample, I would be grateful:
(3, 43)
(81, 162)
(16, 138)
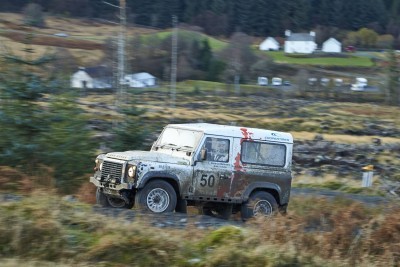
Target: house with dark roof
(92, 77)
(301, 43)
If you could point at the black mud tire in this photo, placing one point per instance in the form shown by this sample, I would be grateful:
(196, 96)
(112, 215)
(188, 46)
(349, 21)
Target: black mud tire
(260, 203)
(101, 198)
(110, 202)
(181, 206)
(157, 196)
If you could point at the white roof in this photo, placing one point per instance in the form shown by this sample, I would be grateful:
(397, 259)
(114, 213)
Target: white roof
(272, 39)
(141, 76)
(332, 40)
(237, 131)
(361, 80)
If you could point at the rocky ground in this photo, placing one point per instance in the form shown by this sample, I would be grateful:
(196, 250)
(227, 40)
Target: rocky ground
(368, 134)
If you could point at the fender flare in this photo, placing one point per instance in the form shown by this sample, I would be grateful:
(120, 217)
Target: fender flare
(262, 185)
(156, 174)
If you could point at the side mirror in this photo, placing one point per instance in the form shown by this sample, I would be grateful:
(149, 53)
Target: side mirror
(203, 154)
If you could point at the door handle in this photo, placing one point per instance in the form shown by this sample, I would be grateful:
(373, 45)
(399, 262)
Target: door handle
(223, 176)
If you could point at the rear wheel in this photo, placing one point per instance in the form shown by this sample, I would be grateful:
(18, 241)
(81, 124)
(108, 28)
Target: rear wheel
(157, 196)
(260, 203)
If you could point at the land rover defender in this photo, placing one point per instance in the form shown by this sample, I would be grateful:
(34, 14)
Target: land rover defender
(219, 169)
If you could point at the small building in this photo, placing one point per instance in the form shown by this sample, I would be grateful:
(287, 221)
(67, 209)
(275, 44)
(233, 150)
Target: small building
(139, 80)
(92, 77)
(301, 43)
(269, 44)
(332, 46)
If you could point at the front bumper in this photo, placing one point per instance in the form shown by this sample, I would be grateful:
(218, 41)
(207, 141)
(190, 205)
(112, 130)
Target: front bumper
(106, 184)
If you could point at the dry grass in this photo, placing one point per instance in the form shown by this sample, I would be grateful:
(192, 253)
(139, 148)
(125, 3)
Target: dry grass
(345, 139)
(85, 40)
(52, 41)
(316, 232)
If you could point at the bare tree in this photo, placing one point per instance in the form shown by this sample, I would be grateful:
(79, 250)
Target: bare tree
(239, 57)
(33, 15)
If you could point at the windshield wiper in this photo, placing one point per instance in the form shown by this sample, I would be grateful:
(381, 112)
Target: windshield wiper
(164, 145)
(184, 147)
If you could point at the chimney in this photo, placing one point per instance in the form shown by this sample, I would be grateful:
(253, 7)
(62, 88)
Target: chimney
(288, 33)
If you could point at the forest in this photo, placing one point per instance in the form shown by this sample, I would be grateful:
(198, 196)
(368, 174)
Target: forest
(224, 17)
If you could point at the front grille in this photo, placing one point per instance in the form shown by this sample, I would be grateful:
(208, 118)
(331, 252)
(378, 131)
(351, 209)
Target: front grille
(111, 169)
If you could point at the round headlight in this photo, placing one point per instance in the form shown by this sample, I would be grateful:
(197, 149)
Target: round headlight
(132, 171)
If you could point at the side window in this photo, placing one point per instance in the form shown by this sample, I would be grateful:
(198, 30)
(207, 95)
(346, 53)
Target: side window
(217, 149)
(263, 153)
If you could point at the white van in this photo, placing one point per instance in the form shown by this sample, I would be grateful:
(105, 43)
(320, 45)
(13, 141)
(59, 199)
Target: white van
(276, 81)
(263, 81)
(360, 84)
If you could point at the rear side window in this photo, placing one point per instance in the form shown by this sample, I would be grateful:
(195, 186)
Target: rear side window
(263, 153)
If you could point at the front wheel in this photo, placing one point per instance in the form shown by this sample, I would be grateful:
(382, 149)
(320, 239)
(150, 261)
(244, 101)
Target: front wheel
(260, 203)
(110, 201)
(157, 196)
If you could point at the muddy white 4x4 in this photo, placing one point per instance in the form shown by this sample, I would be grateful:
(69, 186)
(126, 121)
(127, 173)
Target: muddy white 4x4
(220, 169)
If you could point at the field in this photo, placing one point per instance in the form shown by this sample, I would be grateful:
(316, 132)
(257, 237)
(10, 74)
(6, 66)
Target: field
(86, 38)
(353, 61)
(40, 228)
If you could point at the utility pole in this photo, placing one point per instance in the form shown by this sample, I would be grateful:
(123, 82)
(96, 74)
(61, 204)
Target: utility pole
(174, 55)
(120, 76)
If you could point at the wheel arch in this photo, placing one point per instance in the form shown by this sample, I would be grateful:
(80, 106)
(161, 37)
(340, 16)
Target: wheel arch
(172, 179)
(271, 188)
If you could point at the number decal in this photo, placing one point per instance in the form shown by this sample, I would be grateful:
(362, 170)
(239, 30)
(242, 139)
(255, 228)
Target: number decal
(203, 180)
(210, 180)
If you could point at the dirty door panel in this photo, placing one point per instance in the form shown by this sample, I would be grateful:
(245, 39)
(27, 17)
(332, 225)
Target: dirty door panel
(211, 174)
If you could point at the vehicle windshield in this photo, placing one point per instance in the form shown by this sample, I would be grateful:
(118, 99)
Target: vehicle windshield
(179, 139)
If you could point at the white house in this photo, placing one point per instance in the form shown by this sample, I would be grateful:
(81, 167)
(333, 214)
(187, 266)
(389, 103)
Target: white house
(141, 79)
(332, 46)
(269, 44)
(93, 77)
(302, 43)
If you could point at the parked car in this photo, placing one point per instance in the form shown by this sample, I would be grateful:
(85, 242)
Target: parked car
(360, 84)
(325, 81)
(61, 34)
(263, 81)
(286, 83)
(350, 49)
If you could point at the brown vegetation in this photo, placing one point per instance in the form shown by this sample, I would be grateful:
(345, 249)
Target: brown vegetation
(316, 232)
(52, 41)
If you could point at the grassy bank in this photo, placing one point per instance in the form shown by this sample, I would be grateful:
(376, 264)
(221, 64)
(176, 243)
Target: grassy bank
(43, 230)
(354, 61)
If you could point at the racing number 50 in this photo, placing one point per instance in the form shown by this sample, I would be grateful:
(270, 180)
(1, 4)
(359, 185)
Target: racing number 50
(207, 180)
